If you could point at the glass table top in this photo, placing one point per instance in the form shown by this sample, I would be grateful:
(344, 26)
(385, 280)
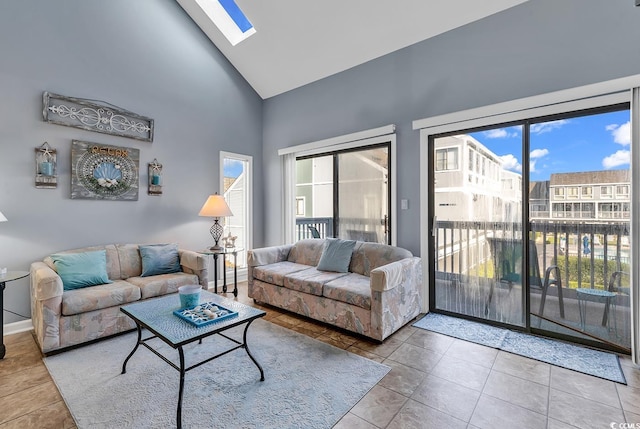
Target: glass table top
(156, 314)
(13, 275)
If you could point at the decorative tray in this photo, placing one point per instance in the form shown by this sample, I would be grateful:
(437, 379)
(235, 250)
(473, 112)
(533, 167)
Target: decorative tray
(206, 313)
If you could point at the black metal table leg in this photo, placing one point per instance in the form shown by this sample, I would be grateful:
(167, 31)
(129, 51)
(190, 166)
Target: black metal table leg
(215, 273)
(246, 347)
(224, 273)
(3, 349)
(182, 371)
(235, 273)
(124, 365)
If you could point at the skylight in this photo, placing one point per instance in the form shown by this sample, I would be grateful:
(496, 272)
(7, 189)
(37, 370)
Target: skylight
(229, 19)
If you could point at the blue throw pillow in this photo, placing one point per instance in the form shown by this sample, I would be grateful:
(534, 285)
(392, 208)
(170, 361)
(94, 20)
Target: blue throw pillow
(159, 259)
(78, 270)
(336, 255)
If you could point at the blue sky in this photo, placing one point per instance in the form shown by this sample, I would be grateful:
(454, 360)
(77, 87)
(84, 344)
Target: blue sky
(232, 168)
(587, 143)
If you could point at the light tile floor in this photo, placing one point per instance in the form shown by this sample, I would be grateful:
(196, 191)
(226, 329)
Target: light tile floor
(435, 382)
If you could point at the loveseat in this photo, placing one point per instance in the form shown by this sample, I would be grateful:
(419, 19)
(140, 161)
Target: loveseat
(379, 293)
(65, 311)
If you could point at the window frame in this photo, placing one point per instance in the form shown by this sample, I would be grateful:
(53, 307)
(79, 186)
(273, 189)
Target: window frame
(248, 197)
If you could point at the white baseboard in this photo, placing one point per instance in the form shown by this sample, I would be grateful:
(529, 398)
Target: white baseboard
(15, 327)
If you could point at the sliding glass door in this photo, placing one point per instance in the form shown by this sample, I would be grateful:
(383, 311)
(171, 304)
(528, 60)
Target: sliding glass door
(477, 232)
(549, 197)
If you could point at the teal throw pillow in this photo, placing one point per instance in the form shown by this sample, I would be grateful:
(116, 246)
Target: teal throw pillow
(336, 255)
(78, 270)
(159, 259)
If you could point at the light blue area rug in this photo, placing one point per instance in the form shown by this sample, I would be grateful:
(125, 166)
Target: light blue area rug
(589, 361)
(308, 384)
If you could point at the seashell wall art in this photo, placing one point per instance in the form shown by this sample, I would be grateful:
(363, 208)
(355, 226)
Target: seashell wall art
(104, 172)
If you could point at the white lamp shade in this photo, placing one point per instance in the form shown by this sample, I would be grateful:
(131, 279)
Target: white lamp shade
(215, 206)
(2, 218)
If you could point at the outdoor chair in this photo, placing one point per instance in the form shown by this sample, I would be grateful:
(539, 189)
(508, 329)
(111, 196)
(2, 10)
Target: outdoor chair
(314, 231)
(507, 262)
(619, 288)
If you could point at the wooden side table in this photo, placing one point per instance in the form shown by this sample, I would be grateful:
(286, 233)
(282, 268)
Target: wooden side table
(224, 252)
(4, 278)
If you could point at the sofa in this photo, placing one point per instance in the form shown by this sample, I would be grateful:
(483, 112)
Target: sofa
(65, 316)
(380, 292)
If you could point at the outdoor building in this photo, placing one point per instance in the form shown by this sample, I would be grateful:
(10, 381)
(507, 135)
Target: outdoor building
(591, 195)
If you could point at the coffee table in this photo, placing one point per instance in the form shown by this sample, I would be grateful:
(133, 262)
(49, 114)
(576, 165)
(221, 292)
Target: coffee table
(156, 315)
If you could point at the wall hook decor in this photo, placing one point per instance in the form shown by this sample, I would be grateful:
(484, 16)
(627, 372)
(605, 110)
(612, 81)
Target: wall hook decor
(46, 167)
(155, 178)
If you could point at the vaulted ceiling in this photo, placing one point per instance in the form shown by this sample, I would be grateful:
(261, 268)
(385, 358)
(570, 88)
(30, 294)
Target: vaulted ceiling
(301, 41)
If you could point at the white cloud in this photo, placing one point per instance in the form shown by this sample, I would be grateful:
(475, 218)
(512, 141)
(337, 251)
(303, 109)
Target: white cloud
(621, 157)
(621, 133)
(539, 153)
(545, 127)
(499, 133)
(532, 166)
(510, 162)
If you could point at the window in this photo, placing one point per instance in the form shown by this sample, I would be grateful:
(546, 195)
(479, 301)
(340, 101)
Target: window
(447, 159)
(606, 192)
(622, 191)
(572, 192)
(300, 206)
(236, 182)
(558, 193)
(470, 160)
(587, 192)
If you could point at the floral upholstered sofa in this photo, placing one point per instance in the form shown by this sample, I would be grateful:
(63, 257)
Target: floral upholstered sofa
(380, 292)
(73, 304)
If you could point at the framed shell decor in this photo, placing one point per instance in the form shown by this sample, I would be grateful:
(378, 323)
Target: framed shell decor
(155, 178)
(104, 172)
(46, 167)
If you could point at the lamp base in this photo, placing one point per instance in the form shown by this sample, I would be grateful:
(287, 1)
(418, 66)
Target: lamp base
(216, 248)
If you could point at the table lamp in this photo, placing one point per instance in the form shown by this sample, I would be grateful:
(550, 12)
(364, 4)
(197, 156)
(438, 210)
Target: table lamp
(215, 207)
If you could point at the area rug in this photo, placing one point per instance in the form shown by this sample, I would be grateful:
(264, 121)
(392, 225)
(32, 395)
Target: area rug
(308, 384)
(589, 361)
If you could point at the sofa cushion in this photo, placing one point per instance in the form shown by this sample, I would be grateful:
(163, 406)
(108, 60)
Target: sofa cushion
(98, 297)
(369, 256)
(336, 255)
(274, 273)
(306, 252)
(162, 284)
(130, 261)
(159, 259)
(78, 270)
(352, 288)
(310, 280)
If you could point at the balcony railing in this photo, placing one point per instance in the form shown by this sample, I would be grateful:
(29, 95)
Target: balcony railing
(587, 256)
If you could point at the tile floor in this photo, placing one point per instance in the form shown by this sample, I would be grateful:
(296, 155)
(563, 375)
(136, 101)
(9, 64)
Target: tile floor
(435, 382)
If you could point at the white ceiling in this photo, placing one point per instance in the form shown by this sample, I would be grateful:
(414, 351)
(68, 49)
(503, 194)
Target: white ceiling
(300, 41)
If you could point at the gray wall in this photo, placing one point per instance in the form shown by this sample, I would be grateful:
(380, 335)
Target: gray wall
(146, 56)
(535, 48)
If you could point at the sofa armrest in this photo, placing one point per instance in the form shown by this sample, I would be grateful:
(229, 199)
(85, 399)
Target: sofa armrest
(45, 283)
(396, 295)
(268, 255)
(195, 263)
(46, 305)
(395, 274)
